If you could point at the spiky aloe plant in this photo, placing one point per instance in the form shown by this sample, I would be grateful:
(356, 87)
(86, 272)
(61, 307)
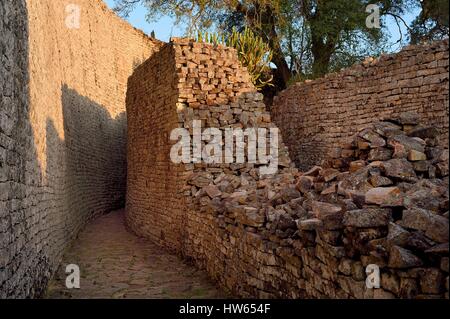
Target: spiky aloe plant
(253, 53)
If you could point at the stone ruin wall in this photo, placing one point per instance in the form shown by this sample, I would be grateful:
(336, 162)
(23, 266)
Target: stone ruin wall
(318, 115)
(194, 81)
(248, 231)
(62, 130)
(152, 178)
(62, 160)
(190, 79)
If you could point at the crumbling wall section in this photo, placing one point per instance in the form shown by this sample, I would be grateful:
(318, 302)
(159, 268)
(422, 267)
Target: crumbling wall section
(316, 116)
(286, 235)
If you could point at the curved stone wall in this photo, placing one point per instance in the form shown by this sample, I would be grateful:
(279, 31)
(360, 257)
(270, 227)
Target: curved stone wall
(64, 70)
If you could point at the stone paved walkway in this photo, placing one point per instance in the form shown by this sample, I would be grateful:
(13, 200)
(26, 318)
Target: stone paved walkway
(116, 264)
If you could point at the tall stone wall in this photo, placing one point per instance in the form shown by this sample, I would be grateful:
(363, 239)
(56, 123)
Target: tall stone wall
(175, 86)
(154, 202)
(286, 235)
(317, 115)
(63, 129)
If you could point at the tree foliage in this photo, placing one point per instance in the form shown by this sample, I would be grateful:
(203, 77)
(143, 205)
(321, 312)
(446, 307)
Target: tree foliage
(253, 52)
(432, 22)
(307, 38)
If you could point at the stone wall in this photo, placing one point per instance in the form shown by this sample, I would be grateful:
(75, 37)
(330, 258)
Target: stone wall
(63, 129)
(286, 235)
(183, 82)
(317, 115)
(154, 203)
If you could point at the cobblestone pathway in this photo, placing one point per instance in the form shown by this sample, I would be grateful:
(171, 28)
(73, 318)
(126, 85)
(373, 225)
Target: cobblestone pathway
(116, 264)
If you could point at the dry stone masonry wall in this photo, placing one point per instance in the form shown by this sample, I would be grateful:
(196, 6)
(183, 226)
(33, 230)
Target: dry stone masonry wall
(192, 81)
(317, 115)
(154, 204)
(380, 200)
(62, 129)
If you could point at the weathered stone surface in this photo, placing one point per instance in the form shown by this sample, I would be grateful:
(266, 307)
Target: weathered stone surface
(309, 224)
(385, 196)
(329, 174)
(434, 226)
(212, 191)
(408, 143)
(373, 138)
(329, 214)
(387, 129)
(424, 132)
(409, 288)
(283, 235)
(421, 166)
(390, 282)
(399, 168)
(321, 209)
(368, 217)
(314, 129)
(415, 156)
(380, 154)
(403, 258)
(356, 166)
(378, 181)
(427, 194)
(62, 130)
(440, 249)
(251, 216)
(201, 179)
(408, 118)
(444, 264)
(230, 220)
(431, 281)
(442, 169)
(382, 294)
(305, 183)
(397, 235)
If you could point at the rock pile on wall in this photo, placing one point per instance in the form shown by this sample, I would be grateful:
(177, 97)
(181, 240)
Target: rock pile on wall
(381, 200)
(377, 206)
(317, 115)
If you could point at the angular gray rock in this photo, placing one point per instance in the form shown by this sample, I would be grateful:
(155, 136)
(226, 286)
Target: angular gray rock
(434, 226)
(403, 258)
(367, 217)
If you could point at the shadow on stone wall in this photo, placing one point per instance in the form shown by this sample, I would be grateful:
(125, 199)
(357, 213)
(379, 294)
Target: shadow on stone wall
(95, 152)
(86, 170)
(41, 213)
(24, 258)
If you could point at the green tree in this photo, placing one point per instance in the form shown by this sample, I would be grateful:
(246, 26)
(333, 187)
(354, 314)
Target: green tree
(432, 22)
(307, 38)
(253, 53)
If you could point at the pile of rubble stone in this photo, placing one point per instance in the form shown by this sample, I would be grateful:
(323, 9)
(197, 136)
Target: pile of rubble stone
(392, 175)
(382, 199)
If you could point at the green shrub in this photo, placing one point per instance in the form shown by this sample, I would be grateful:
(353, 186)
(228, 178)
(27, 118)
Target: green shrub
(253, 53)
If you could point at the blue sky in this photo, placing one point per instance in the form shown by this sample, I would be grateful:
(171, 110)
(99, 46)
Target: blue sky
(165, 28)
